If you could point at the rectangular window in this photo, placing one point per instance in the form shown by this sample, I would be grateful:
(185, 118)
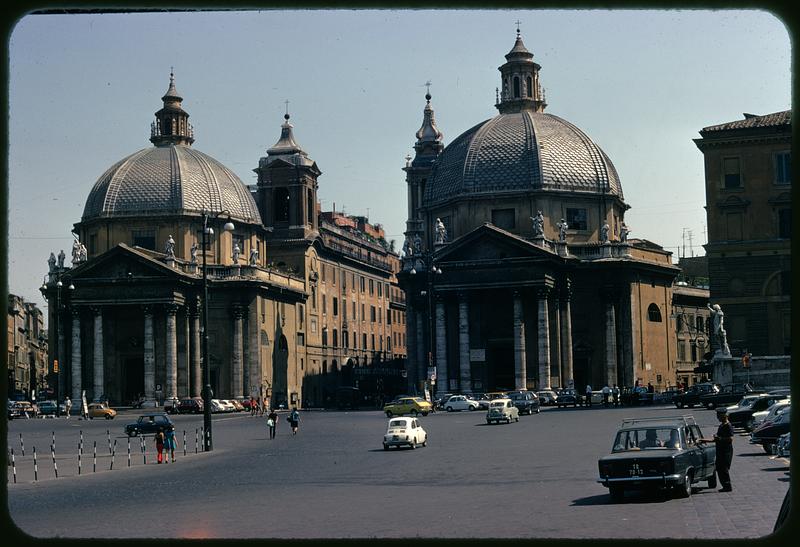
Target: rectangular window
(354, 312)
(313, 325)
(783, 168)
(92, 244)
(145, 239)
(333, 274)
(324, 271)
(731, 172)
(371, 287)
(343, 277)
(380, 290)
(372, 342)
(324, 304)
(693, 347)
(504, 218)
(386, 289)
(372, 313)
(364, 341)
(388, 317)
(734, 225)
(301, 315)
(363, 313)
(700, 325)
(301, 339)
(355, 341)
(576, 219)
(681, 351)
(363, 284)
(335, 306)
(785, 223)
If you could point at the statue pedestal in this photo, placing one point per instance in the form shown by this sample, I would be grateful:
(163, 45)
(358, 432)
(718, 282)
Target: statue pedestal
(625, 249)
(539, 241)
(170, 262)
(191, 268)
(561, 248)
(605, 250)
(237, 270)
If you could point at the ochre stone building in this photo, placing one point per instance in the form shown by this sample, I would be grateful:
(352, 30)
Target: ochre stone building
(502, 298)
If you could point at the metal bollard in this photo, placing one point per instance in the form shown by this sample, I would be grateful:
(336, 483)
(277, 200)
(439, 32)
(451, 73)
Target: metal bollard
(22, 445)
(114, 451)
(79, 458)
(94, 458)
(108, 434)
(13, 466)
(144, 452)
(129, 451)
(54, 440)
(35, 466)
(53, 452)
(184, 442)
(195, 440)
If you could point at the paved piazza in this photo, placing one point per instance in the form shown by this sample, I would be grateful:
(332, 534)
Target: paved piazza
(535, 478)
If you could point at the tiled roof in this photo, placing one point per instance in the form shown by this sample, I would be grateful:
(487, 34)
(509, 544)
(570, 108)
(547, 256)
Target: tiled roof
(522, 151)
(169, 179)
(750, 122)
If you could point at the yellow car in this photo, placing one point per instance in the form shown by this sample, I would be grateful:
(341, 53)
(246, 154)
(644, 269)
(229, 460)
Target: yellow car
(101, 410)
(408, 405)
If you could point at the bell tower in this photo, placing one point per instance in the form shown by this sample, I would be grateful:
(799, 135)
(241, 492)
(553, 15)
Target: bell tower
(519, 81)
(287, 188)
(428, 147)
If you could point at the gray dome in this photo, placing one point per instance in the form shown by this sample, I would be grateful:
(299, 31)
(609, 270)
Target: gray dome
(173, 179)
(522, 151)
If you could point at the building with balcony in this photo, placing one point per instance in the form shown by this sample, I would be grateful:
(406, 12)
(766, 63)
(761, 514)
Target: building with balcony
(27, 348)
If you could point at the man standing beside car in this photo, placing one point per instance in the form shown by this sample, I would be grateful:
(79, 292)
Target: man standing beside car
(588, 401)
(723, 442)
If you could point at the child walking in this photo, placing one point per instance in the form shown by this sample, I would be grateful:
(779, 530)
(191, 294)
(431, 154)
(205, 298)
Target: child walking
(160, 444)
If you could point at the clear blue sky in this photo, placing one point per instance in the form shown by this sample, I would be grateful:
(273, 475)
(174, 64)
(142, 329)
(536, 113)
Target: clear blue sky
(641, 84)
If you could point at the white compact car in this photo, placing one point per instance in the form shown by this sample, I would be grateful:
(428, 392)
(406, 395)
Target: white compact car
(460, 402)
(404, 431)
(502, 410)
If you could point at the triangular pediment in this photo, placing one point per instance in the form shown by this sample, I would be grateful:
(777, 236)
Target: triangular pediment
(490, 243)
(123, 262)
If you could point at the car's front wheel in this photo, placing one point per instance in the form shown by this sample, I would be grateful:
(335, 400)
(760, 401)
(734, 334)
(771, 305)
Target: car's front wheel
(679, 405)
(473, 408)
(414, 444)
(710, 406)
(385, 446)
(415, 412)
(132, 433)
(449, 409)
(617, 493)
(109, 417)
(685, 488)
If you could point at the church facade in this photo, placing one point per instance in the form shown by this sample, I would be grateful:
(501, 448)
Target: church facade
(278, 276)
(518, 266)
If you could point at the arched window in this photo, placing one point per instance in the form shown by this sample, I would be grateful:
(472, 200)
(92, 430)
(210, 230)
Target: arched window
(281, 204)
(653, 313)
(530, 86)
(516, 87)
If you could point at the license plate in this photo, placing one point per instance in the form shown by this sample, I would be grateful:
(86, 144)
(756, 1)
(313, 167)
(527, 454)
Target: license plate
(394, 438)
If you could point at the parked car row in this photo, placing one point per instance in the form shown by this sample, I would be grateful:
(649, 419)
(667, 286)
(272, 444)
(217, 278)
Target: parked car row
(768, 433)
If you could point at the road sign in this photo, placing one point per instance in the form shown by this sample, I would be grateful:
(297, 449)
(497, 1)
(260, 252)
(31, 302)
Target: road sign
(55, 365)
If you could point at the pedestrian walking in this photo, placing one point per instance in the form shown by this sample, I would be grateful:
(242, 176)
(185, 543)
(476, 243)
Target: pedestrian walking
(67, 407)
(615, 394)
(160, 437)
(723, 442)
(294, 419)
(588, 401)
(606, 395)
(170, 444)
(272, 422)
(253, 407)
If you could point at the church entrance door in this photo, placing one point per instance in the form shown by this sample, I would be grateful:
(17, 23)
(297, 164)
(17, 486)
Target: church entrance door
(133, 379)
(500, 366)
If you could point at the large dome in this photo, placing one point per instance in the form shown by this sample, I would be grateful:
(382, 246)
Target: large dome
(174, 179)
(520, 152)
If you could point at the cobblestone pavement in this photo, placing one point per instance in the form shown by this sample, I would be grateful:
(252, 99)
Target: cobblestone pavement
(534, 478)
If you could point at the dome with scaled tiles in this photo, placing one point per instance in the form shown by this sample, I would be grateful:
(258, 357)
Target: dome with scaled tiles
(522, 149)
(171, 177)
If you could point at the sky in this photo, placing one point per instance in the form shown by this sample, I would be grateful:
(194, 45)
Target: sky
(83, 89)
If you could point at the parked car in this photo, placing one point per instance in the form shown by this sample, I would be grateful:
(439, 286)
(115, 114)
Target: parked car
(483, 400)
(527, 402)
(784, 391)
(147, 424)
(767, 433)
(101, 410)
(47, 408)
(691, 396)
(784, 445)
(172, 406)
(728, 394)
(460, 402)
(227, 405)
(237, 405)
(769, 414)
(192, 405)
(404, 431)
(502, 410)
(408, 405)
(21, 409)
(547, 397)
(217, 406)
(657, 453)
(568, 396)
(741, 414)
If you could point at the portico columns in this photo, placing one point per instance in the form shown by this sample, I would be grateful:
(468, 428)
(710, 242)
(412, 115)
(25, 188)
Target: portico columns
(567, 378)
(543, 338)
(253, 367)
(441, 348)
(237, 387)
(520, 369)
(171, 353)
(183, 365)
(97, 354)
(465, 375)
(611, 342)
(196, 375)
(149, 356)
(76, 356)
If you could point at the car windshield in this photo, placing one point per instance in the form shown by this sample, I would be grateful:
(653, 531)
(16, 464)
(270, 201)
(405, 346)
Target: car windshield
(647, 438)
(498, 403)
(397, 423)
(747, 402)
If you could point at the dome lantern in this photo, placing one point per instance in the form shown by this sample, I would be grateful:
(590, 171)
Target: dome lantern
(519, 78)
(171, 125)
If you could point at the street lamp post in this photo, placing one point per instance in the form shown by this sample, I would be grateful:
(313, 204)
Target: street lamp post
(207, 230)
(56, 354)
(430, 271)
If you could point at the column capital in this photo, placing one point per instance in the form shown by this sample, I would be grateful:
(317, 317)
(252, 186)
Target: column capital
(543, 292)
(171, 309)
(96, 310)
(75, 311)
(238, 311)
(463, 296)
(147, 309)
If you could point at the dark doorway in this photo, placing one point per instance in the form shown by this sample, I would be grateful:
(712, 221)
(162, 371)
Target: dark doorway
(500, 367)
(133, 376)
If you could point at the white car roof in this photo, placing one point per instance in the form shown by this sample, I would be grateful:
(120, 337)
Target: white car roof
(404, 418)
(503, 399)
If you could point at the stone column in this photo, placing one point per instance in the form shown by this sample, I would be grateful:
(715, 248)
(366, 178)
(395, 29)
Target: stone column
(76, 362)
(442, 382)
(411, 347)
(171, 353)
(520, 368)
(98, 384)
(237, 363)
(149, 355)
(556, 332)
(196, 372)
(62, 378)
(567, 374)
(543, 338)
(253, 364)
(611, 342)
(627, 376)
(465, 373)
(183, 364)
